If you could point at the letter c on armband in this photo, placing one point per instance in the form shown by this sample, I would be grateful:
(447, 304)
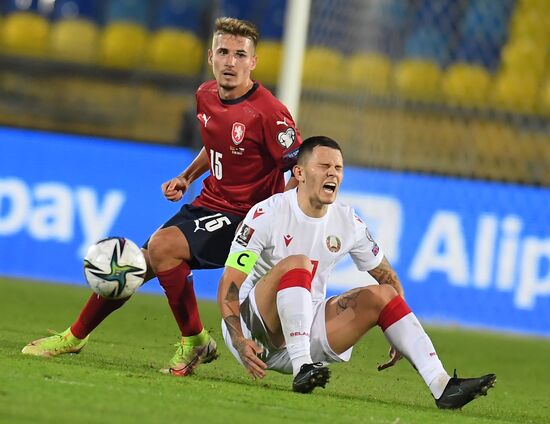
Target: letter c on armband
(243, 261)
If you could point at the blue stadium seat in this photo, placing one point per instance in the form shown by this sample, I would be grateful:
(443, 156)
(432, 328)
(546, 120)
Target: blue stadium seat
(428, 43)
(11, 6)
(81, 9)
(135, 11)
(187, 15)
(483, 31)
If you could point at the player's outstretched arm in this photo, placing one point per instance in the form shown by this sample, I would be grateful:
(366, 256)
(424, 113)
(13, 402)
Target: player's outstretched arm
(228, 302)
(175, 188)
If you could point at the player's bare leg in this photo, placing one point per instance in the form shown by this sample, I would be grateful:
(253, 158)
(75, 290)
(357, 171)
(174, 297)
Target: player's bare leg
(283, 297)
(169, 254)
(353, 313)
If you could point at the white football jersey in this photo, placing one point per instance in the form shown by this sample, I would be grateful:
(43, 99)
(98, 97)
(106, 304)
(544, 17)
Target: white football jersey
(277, 228)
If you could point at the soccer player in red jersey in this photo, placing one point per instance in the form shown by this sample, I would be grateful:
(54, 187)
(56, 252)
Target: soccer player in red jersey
(250, 140)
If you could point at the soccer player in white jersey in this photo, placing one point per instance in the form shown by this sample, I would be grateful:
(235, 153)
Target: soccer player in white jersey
(272, 294)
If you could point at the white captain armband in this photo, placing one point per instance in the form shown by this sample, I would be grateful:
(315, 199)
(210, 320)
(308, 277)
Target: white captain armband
(243, 261)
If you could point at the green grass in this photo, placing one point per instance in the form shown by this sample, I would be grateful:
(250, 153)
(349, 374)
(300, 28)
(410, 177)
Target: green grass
(116, 378)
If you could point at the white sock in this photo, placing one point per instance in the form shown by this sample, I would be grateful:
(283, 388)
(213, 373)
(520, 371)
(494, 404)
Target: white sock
(296, 315)
(409, 338)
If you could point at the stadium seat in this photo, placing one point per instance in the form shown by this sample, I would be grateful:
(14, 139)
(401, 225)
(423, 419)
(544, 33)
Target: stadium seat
(269, 54)
(525, 55)
(370, 72)
(175, 51)
(417, 79)
(544, 101)
(531, 24)
(74, 39)
(466, 85)
(72, 9)
(323, 68)
(515, 91)
(25, 33)
(123, 45)
(186, 15)
(427, 43)
(135, 11)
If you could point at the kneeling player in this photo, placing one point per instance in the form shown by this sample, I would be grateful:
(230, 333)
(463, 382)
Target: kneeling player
(272, 292)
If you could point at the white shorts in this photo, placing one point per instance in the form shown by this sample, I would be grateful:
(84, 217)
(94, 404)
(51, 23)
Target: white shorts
(277, 359)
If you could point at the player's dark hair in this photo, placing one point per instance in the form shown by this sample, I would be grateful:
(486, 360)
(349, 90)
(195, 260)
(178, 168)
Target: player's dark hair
(310, 143)
(237, 27)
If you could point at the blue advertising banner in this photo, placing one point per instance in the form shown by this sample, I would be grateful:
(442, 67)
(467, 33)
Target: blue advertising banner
(468, 253)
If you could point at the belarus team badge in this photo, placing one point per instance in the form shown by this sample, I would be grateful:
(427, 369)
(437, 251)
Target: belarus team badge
(237, 132)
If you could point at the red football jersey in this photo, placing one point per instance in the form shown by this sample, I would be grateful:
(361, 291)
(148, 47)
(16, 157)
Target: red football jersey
(250, 142)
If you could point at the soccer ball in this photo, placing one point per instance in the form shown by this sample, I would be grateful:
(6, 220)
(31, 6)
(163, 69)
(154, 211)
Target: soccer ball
(114, 267)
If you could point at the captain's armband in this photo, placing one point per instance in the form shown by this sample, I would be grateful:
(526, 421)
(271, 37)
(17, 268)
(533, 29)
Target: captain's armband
(243, 261)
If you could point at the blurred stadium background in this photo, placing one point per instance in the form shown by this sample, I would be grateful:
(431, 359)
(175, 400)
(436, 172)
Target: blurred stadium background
(456, 87)
(435, 88)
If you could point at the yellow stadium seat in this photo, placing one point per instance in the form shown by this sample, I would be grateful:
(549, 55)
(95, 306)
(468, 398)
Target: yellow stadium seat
(418, 79)
(75, 40)
(123, 45)
(466, 85)
(323, 68)
(525, 55)
(544, 100)
(269, 54)
(175, 51)
(25, 33)
(515, 91)
(532, 24)
(370, 72)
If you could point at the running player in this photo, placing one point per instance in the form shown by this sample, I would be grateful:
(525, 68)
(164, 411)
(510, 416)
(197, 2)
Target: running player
(272, 295)
(250, 140)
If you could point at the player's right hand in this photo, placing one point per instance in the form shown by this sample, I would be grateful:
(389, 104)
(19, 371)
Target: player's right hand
(248, 351)
(174, 189)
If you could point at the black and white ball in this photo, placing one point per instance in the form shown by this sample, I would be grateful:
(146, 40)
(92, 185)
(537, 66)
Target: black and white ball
(114, 267)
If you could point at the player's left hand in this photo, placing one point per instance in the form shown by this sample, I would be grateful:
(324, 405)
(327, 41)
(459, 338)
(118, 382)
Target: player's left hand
(395, 356)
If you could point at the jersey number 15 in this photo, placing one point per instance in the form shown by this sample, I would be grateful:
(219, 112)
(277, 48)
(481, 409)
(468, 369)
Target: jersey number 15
(216, 164)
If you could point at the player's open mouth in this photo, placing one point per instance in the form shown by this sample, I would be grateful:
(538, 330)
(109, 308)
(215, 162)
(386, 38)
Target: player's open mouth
(329, 187)
(229, 74)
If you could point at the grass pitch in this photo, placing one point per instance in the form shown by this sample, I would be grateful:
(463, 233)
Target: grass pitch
(116, 379)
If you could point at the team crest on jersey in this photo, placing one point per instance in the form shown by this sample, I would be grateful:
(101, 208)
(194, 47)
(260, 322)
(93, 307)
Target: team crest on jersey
(333, 244)
(237, 132)
(286, 138)
(244, 236)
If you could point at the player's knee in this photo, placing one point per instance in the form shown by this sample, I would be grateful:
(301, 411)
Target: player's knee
(159, 247)
(295, 262)
(376, 297)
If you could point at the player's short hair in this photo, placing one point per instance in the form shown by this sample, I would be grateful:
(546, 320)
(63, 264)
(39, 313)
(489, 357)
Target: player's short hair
(310, 143)
(237, 27)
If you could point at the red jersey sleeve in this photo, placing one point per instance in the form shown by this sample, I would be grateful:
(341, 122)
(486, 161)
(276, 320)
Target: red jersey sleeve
(282, 138)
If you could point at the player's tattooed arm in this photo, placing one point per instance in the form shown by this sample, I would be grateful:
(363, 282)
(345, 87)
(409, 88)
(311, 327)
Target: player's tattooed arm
(233, 322)
(228, 301)
(385, 274)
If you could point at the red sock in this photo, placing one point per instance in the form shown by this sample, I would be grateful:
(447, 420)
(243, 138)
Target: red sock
(396, 309)
(94, 312)
(181, 298)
